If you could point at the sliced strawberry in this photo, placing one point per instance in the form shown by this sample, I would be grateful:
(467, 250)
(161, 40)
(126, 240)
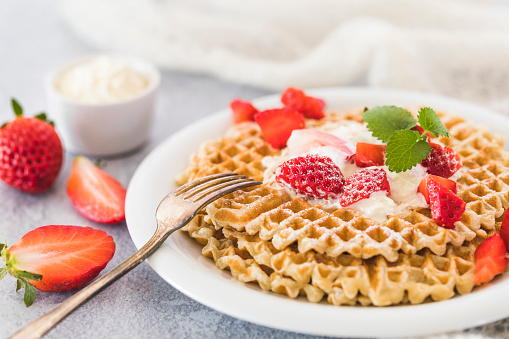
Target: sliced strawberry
(242, 111)
(367, 155)
(95, 193)
(504, 230)
(277, 125)
(301, 141)
(446, 207)
(58, 258)
(423, 185)
(312, 175)
(363, 183)
(311, 107)
(442, 161)
(490, 259)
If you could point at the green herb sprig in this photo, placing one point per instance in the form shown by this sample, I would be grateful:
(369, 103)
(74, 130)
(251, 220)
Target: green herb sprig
(405, 148)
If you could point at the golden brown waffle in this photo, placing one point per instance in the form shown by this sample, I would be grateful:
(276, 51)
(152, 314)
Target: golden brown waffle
(288, 246)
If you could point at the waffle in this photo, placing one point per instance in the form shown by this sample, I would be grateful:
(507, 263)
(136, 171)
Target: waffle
(289, 246)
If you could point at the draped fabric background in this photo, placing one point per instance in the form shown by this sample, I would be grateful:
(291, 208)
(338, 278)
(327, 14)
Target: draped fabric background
(454, 48)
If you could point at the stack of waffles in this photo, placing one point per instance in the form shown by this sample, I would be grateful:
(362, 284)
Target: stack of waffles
(289, 246)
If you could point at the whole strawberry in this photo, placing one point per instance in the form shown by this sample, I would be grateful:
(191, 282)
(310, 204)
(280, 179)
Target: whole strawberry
(30, 152)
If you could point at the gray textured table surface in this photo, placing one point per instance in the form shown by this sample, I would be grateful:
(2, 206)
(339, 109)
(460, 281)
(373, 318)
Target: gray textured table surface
(140, 305)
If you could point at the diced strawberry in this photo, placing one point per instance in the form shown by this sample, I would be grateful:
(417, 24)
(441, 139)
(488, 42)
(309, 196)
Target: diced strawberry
(446, 207)
(94, 193)
(58, 258)
(490, 259)
(312, 175)
(361, 184)
(301, 141)
(423, 185)
(367, 155)
(442, 161)
(242, 111)
(277, 125)
(504, 230)
(311, 107)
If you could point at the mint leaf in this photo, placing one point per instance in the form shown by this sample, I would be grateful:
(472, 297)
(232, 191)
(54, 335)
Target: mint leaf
(406, 149)
(429, 120)
(3, 272)
(16, 107)
(383, 121)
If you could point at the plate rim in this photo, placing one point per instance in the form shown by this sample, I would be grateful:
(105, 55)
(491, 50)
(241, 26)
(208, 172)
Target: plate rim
(384, 316)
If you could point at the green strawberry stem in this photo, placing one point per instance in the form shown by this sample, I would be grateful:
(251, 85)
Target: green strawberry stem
(21, 276)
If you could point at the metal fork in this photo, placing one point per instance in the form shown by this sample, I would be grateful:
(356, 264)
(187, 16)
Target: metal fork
(174, 212)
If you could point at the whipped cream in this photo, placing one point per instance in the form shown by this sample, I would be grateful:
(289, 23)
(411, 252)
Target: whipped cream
(378, 206)
(101, 80)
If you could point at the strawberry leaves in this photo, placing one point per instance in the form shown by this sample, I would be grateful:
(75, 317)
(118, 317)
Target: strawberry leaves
(405, 148)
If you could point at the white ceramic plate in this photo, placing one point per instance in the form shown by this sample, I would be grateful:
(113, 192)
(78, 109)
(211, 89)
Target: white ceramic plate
(179, 260)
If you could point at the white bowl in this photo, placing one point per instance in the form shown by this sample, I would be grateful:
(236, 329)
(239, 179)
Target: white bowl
(103, 129)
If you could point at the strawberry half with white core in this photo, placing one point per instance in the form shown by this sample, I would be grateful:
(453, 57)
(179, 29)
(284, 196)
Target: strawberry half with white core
(31, 152)
(94, 193)
(490, 259)
(312, 175)
(363, 183)
(57, 258)
(302, 141)
(442, 161)
(446, 207)
(277, 125)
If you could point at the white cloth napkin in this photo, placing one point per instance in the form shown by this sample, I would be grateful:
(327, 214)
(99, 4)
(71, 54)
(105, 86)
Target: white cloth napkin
(454, 48)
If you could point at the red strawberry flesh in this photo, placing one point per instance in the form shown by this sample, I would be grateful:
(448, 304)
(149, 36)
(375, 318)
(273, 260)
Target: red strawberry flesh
(361, 184)
(242, 111)
(94, 193)
(67, 257)
(367, 155)
(423, 185)
(490, 259)
(504, 230)
(312, 175)
(311, 107)
(277, 125)
(446, 207)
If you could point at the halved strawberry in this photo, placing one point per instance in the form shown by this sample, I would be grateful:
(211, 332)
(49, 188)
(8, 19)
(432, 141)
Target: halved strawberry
(95, 194)
(301, 141)
(57, 258)
(311, 107)
(312, 175)
(446, 207)
(490, 259)
(277, 125)
(363, 183)
(423, 185)
(242, 111)
(504, 230)
(367, 155)
(442, 161)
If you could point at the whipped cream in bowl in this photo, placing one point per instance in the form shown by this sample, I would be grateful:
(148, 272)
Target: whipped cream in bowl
(102, 105)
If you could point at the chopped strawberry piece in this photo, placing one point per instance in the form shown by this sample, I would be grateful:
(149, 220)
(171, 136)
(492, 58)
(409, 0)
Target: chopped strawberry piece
(277, 125)
(242, 111)
(301, 141)
(423, 185)
(363, 183)
(94, 193)
(446, 207)
(504, 230)
(367, 155)
(490, 259)
(312, 175)
(442, 161)
(67, 257)
(311, 107)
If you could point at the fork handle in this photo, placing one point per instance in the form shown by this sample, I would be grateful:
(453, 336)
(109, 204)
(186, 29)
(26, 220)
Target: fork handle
(37, 328)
